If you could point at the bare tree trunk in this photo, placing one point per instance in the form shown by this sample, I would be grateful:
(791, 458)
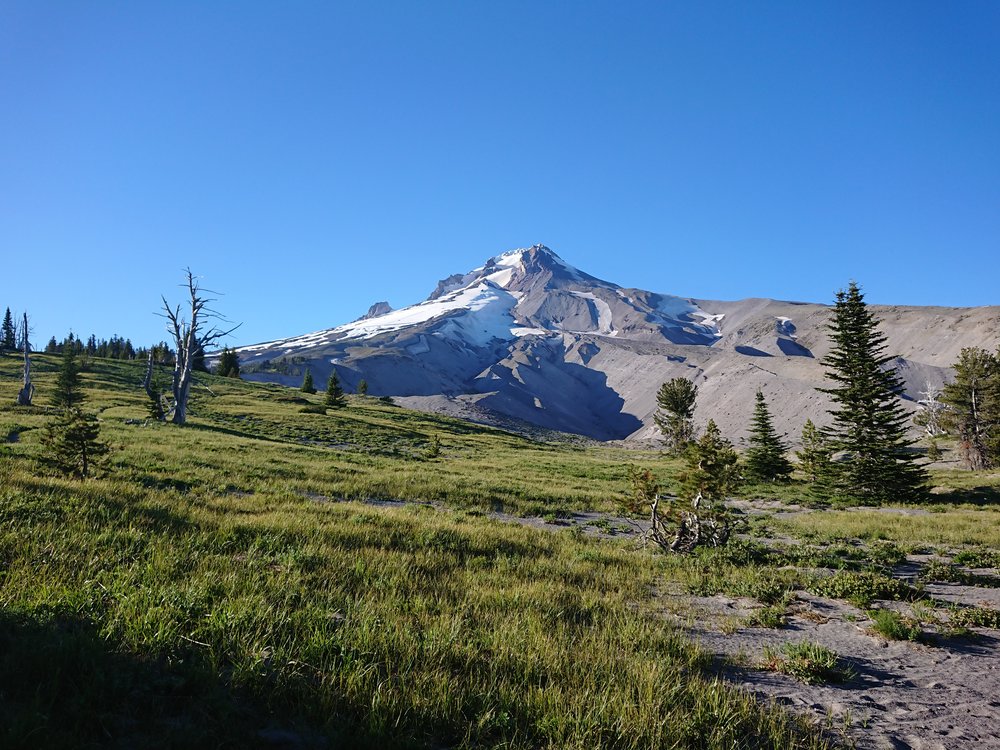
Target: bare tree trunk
(147, 382)
(189, 338)
(25, 394)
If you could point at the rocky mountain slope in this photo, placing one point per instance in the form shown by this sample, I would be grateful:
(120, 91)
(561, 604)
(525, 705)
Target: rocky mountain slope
(526, 339)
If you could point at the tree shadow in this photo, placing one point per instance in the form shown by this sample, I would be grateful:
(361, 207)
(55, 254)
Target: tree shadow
(65, 685)
(966, 496)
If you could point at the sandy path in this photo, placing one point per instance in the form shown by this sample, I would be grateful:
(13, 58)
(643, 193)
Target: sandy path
(904, 694)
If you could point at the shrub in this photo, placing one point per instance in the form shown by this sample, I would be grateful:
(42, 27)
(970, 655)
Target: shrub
(861, 589)
(893, 626)
(975, 617)
(807, 662)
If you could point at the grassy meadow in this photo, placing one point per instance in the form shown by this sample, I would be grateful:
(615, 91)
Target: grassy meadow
(214, 589)
(232, 584)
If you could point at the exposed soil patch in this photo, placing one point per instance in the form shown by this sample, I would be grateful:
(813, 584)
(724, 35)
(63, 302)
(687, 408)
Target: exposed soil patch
(903, 694)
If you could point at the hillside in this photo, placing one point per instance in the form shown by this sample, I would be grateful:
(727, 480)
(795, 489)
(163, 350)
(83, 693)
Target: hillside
(271, 575)
(214, 589)
(528, 341)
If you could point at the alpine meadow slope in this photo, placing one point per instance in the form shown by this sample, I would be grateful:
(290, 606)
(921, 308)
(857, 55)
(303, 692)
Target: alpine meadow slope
(528, 341)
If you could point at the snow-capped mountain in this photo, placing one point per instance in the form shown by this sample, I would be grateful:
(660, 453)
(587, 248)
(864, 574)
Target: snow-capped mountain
(527, 338)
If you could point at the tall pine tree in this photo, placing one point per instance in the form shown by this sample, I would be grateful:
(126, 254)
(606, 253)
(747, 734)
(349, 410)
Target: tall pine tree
(307, 382)
(675, 401)
(712, 466)
(765, 458)
(814, 458)
(869, 423)
(972, 407)
(68, 392)
(74, 444)
(229, 364)
(8, 334)
(334, 393)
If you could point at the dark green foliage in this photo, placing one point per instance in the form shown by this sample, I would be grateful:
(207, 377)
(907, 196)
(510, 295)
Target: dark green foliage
(975, 617)
(313, 409)
(8, 334)
(434, 447)
(712, 469)
(198, 359)
(814, 458)
(972, 407)
(307, 383)
(229, 364)
(68, 392)
(808, 662)
(114, 348)
(334, 393)
(765, 458)
(73, 443)
(933, 450)
(362, 387)
(863, 587)
(675, 401)
(869, 423)
(895, 627)
(155, 405)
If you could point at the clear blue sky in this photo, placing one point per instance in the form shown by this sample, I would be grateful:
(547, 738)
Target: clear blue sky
(308, 159)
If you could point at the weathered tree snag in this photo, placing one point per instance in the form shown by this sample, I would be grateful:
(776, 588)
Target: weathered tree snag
(189, 338)
(158, 409)
(682, 530)
(25, 394)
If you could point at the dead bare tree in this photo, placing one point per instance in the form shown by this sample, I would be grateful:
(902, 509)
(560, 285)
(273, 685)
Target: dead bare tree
(932, 411)
(192, 333)
(673, 527)
(26, 393)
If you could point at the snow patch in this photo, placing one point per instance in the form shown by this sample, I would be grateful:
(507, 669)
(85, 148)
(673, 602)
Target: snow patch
(710, 321)
(605, 320)
(481, 313)
(525, 331)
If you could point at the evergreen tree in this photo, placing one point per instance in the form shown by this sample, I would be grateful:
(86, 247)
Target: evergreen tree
(307, 383)
(154, 406)
(676, 400)
(765, 458)
(334, 393)
(229, 364)
(869, 423)
(362, 387)
(74, 444)
(712, 469)
(52, 347)
(972, 407)
(68, 392)
(814, 458)
(8, 334)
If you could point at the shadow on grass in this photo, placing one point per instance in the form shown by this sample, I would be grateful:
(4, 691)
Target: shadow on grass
(988, 495)
(63, 685)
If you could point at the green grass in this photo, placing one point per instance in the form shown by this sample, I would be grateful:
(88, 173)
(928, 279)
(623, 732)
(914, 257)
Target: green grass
(893, 626)
(945, 526)
(249, 437)
(807, 662)
(208, 591)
